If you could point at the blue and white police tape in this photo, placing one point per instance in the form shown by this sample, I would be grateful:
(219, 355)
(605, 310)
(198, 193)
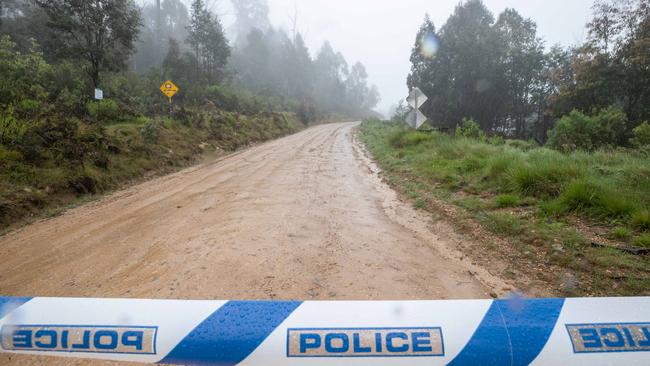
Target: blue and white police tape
(599, 331)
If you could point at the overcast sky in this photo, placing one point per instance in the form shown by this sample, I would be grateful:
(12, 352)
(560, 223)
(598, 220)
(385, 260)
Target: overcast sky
(380, 33)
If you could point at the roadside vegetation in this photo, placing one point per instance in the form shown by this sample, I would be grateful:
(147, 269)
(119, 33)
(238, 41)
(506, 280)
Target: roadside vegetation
(543, 146)
(552, 206)
(58, 145)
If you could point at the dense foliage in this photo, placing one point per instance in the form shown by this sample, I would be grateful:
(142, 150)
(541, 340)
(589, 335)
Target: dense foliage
(499, 72)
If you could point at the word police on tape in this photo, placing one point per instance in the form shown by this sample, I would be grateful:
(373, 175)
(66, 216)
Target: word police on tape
(72, 338)
(387, 342)
(601, 331)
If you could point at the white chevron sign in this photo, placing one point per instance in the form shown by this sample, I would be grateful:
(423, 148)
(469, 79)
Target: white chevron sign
(416, 99)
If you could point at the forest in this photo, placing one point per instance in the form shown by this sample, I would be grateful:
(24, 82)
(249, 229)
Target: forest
(499, 73)
(59, 145)
(165, 39)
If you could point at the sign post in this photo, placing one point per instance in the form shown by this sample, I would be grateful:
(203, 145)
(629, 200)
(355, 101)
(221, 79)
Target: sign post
(169, 89)
(416, 99)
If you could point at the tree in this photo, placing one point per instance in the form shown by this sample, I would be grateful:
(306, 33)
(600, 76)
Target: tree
(330, 69)
(461, 79)
(426, 68)
(299, 66)
(360, 98)
(421, 57)
(557, 75)
(153, 41)
(249, 15)
(178, 66)
(613, 66)
(101, 33)
(207, 39)
(521, 65)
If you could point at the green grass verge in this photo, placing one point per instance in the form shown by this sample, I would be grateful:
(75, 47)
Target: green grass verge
(604, 188)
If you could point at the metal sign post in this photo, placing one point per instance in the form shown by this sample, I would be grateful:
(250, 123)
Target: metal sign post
(416, 99)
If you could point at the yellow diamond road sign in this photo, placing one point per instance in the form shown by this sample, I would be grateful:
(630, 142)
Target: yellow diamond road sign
(169, 89)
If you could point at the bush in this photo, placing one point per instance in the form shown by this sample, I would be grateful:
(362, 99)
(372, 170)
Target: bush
(405, 138)
(642, 135)
(151, 131)
(24, 75)
(578, 131)
(611, 127)
(103, 110)
(469, 128)
(11, 129)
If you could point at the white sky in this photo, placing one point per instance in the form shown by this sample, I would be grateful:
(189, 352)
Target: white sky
(380, 33)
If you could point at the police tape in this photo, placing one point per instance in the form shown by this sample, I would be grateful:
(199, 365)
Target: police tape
(599, 331)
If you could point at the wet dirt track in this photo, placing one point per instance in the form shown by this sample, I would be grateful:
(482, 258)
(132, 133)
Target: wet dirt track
(304, 217)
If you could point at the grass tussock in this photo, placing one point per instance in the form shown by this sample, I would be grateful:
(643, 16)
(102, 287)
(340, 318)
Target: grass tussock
(608, 188)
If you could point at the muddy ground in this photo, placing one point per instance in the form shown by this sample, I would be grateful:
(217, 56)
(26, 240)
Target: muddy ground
(304, 217)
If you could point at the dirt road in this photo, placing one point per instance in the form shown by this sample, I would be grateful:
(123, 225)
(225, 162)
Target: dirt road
(303, 217)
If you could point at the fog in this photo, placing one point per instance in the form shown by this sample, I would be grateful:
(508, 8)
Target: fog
(380, 34)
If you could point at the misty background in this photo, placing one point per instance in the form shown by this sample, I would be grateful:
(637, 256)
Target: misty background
(381, 34)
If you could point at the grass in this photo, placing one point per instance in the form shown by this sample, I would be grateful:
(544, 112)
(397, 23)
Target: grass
(507, 200)
(504, 224)
(621, 233)
(485, 178)
(641, 220)
(130, 150)
(642, 241)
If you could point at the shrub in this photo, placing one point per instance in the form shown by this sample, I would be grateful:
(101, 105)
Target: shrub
(579, 131)
(469, 128)
(11, 129)
(642, 135)
(151, 131)
(24, 75)
(103, 110)
(571, 132)
(611, 127)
